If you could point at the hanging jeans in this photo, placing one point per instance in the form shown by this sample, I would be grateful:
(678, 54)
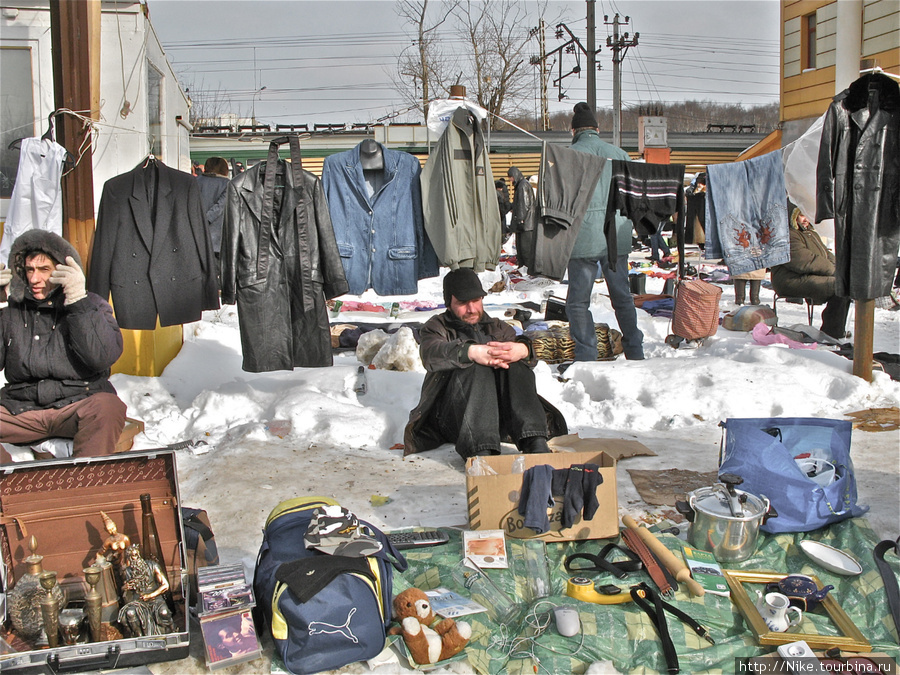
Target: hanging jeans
(482, 405)
(646, 194)
(746, 214)
(582, 272)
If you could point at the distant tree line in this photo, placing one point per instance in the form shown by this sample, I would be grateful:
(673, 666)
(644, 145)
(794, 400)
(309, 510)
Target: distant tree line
(685, 117)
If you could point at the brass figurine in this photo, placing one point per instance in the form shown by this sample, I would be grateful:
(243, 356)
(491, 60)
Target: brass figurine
(50, 608)
(114, 545)
(145, 611)
(93, 602)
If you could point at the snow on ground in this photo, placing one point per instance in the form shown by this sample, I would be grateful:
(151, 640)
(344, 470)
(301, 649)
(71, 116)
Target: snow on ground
(274, 436)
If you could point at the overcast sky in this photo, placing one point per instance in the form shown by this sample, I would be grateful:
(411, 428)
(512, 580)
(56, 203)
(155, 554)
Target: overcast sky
(333, 62)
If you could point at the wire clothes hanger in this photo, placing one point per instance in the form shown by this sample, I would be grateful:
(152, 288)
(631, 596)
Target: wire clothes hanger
(878, 70)
(48, 136)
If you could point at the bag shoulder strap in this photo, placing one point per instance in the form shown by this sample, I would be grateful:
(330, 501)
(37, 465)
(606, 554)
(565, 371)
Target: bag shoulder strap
(193, 522)
(890, 580)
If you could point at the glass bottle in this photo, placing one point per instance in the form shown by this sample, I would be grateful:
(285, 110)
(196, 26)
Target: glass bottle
(151, 549)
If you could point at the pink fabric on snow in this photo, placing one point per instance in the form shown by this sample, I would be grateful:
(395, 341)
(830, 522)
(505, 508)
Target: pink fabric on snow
(763, 335)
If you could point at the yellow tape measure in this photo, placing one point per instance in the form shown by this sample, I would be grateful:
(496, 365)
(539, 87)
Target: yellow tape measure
(582, 588)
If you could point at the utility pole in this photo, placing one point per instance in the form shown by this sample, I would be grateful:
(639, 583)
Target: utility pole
(545, 102)
(591, 57)
(572, 46)
(75, 49)
(619, 45)
(541, 61)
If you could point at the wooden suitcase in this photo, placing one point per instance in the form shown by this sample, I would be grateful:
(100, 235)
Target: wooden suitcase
(59, 503)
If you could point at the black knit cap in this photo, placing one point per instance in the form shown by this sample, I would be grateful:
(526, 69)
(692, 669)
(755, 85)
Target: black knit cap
(583, 117)
(463, 284)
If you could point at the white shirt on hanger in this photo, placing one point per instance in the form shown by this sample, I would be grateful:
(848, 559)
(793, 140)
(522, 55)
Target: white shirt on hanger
(36, 201)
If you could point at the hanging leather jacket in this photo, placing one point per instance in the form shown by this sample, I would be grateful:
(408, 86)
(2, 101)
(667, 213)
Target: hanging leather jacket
(280, 262)
(524, 217)
(858, 184)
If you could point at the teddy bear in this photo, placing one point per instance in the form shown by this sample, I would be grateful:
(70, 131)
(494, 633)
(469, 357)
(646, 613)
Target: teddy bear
(427, 644)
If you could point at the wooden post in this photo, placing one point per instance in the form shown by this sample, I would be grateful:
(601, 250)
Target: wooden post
(863, 339)
(75, 46)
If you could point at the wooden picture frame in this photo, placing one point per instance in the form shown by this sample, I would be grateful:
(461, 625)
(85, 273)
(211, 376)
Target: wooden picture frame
(851, 638)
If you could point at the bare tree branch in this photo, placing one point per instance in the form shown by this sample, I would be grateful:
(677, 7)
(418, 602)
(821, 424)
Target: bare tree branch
(424, 67)
(498, 40)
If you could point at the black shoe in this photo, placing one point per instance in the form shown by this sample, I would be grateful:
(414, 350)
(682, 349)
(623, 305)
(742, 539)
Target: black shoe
(532, 444)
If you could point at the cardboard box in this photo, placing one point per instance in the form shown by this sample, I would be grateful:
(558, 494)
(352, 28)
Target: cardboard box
(493, 500)
(126, 438)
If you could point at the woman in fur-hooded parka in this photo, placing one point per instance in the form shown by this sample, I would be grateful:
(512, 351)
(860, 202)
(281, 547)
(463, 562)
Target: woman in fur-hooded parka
(52, 354)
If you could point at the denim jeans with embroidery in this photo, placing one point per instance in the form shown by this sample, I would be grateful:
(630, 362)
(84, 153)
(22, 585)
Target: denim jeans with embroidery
(746, 214)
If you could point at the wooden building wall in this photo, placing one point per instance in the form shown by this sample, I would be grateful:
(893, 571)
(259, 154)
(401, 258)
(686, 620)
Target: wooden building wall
(807, 93)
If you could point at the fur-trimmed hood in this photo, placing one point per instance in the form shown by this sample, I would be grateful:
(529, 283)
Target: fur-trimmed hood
(29, 242)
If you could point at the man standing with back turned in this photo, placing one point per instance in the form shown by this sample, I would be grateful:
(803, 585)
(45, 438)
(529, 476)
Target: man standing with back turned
(479, 388)
(590, 250)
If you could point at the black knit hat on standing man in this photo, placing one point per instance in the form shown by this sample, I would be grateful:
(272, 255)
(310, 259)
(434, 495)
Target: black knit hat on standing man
(583, 117)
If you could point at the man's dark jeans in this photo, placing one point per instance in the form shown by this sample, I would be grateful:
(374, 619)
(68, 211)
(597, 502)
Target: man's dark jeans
(481, 405)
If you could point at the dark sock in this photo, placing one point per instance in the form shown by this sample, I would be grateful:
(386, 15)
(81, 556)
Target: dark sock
(535, 497)
(573, 500)
(559, 480)
(592, 478)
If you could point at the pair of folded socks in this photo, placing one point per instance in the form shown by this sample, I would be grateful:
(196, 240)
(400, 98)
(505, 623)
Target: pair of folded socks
(577, 485)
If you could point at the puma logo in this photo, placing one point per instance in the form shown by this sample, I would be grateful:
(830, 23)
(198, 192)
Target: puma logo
(343, 629)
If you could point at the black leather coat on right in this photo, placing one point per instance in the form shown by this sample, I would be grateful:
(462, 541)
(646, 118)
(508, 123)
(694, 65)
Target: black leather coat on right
(858, 184)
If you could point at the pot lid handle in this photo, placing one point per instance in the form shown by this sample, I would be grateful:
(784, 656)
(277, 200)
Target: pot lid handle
(735, 503)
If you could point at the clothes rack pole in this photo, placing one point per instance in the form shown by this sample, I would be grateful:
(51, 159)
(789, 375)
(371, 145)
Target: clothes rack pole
(863, 338)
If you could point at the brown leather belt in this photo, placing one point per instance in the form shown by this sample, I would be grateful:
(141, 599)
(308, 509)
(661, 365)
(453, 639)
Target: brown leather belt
(636, 544)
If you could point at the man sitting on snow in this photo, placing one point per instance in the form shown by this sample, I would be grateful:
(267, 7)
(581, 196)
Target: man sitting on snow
(479, 388)
(57, 343)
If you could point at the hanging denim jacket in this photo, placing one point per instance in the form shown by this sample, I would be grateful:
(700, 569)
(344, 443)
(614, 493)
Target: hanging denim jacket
(746, 214)
(378, 224)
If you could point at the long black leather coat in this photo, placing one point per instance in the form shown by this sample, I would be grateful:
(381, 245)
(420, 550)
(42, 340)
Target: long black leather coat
(280, 275)
(858, 184)
(524, 217)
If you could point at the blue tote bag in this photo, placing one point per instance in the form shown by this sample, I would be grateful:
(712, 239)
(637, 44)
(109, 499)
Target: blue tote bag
(762, 452)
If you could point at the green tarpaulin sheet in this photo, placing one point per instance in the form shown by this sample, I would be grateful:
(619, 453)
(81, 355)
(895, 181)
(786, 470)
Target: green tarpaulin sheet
(624, 635)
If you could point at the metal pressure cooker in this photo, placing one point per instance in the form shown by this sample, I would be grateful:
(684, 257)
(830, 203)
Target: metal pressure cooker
(724, 520)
